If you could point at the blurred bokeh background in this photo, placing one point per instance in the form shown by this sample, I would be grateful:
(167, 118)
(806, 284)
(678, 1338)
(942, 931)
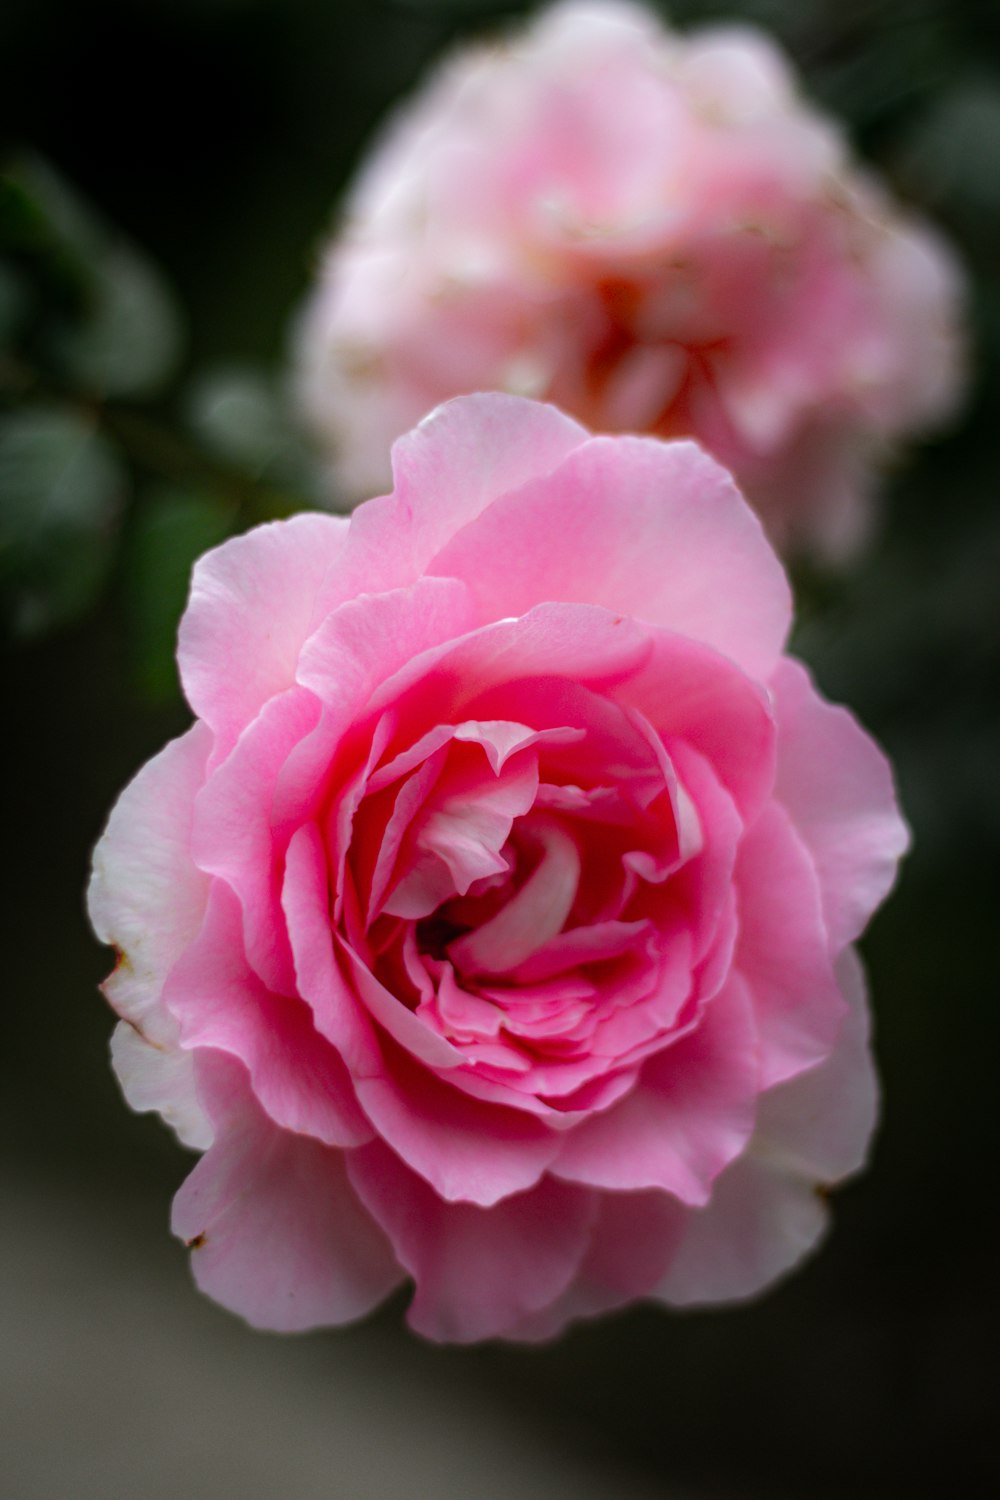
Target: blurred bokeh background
(172, 167)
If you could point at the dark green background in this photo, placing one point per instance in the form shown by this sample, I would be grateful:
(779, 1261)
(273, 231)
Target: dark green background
(218, 134)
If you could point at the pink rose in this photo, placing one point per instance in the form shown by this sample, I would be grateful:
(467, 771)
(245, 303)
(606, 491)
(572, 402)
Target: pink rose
(491, 926)
(657, 234)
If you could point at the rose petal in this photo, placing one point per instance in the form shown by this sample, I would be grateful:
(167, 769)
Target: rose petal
(145, 895)
(254, 601)
(477, 1272)
(446, 471)
(276, 1231)
(467, 1150)
(689, 1115)
(154, 1077)
(837, 786)
(531, 917)
(693, 557)
(783, 949)
(220, 1003)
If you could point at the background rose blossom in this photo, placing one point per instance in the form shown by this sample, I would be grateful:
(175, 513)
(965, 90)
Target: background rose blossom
(492, 923)
(655, 232)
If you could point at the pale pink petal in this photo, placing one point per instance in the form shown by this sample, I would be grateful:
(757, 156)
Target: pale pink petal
(478, 1271)
(692, 558)
(446, 471)
(146, 895)
(632, 1241)
(297, 1077)
(160, 1078)
(758, 1226)
(783, 950)
(837, 786)
(768, 1209)
(820, 1123)
(253, 602)
(689, 1115)
(276, 1231)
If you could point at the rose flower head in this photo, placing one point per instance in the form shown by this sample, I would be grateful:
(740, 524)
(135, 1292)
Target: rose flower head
(657, 234)
(492, 924)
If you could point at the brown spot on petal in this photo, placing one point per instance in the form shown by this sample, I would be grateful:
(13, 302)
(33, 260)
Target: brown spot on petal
(139, 1032)
(197, 1242)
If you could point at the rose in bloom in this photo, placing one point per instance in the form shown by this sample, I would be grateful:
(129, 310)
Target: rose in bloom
(655, 233)
(491, 926)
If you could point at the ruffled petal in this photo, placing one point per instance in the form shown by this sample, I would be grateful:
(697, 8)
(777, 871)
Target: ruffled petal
(466, 1150)
(276, 1231)
(297, 1077)
(253, 603)
(689, 1115)
(478, 1272)
(146, 896)
(155, 1077)
(783, 949)
(767, 1210)
(692, 558)
(837, 786)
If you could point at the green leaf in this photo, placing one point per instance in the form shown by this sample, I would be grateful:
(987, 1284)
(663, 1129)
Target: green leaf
(114, 328)
(169, 531)
(61, 487)
(238, 415)
(128, 341)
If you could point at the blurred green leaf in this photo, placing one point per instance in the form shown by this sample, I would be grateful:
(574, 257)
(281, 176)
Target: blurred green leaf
(115, 330)
(39, 210)
(128, 342)
(169, 532)
(239, 416)
(61, 487)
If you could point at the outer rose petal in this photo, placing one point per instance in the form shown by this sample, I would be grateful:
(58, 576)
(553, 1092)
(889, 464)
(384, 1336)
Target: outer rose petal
(632, 1240)
(766, 1213)
(296, 1076)
(446, 472)
(783, 950)
(758, 1226)
(692, 556)
(277, 1232)
(478, 1272)
(837, 786)
(161, 1079)
(146, 897)
(254, 600)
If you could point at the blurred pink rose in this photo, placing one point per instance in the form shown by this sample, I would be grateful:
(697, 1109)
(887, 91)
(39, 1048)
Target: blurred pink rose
(655, 233)
(491, 926)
